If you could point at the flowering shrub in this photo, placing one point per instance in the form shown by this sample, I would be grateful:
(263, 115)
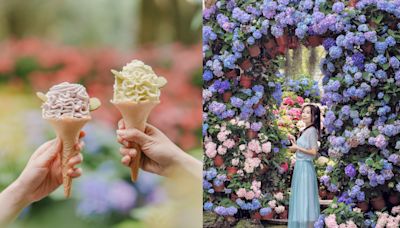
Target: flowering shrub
(304, 87)
(289, 114)
(243, 46)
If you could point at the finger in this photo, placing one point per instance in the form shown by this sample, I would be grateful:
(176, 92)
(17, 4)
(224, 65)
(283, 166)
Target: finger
(128, 151)
(75, 160)
(126, 160)
(121, 124)
(43, 148)
(50, 153)
(134, 135)
(74, 173)
(79, 146)
(123, 142)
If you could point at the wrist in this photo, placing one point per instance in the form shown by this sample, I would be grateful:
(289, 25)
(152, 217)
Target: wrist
(185, 165)
(16, 194)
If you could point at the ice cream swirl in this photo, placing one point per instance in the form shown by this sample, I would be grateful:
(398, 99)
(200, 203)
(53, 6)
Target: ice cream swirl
(137, 82)
(66, 100)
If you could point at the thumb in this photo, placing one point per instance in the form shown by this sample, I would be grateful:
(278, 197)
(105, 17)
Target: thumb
(134, 135)
(50, 153)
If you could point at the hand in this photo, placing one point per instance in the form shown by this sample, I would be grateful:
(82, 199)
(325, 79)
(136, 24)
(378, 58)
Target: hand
(291, 137)
(294, 146)
(161, 154)
(42, 175)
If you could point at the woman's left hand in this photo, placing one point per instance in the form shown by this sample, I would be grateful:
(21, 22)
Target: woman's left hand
(294, 146)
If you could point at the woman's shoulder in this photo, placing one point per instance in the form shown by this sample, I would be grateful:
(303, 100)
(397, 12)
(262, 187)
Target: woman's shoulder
(311, 130)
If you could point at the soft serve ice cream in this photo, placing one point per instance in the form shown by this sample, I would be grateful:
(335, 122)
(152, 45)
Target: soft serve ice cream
(137, 83)
(136, 93)
(66, 100)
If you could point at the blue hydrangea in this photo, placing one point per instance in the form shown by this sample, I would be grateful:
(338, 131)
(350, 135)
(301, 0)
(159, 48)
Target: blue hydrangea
(207, 75)
(335, 52)
(257, 34)
(370, 67)
(381, 47)
(394, 62)
(390, 41)
(208, 206)
(265, 210)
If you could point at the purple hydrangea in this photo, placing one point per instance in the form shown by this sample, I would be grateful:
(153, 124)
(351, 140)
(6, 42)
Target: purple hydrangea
(328, 43)
(241, 15)
(358, 60)
(338, 7)
(350, 170)
(256, 126)
(217, 108)
(236, 102)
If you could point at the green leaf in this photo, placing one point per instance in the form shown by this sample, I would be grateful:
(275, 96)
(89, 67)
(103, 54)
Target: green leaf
(385, 66)
(369, 162)
(386, 98)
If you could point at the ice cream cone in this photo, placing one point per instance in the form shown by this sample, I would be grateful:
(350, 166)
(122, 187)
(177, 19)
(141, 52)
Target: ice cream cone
(68, 129)
(135, 116)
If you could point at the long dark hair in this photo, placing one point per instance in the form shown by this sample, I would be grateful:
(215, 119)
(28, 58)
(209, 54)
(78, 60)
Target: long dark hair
(315, 119)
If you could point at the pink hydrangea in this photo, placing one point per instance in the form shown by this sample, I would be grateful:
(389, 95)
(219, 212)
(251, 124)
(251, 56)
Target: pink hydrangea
(242, 147)
(279, 209)
(221, 136)
(295, 112)
(284, 167)
(266, 147)
(255, 185)
(300, 100)
(235, 162)
(288, 101)
(241, 192)
(396, 210)
(330, 221)
(248, 154)
(254, 145)
(229, 143)
(222, 150)
(250, 164)
(351, 224)
(272, 204)
(278, 196)
(211, 149)
(249, 195)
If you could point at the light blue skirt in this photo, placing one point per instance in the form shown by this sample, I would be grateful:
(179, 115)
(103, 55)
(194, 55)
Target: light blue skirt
(304, 204)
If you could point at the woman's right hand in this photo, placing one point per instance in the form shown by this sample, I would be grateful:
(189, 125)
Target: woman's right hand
(162, 155)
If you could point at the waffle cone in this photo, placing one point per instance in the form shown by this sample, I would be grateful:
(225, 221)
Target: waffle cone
(135, 116)
(68, 129)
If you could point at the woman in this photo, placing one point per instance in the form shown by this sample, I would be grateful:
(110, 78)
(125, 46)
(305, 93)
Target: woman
(304, 205)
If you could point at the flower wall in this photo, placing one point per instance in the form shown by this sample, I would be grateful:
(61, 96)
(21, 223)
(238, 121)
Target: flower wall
(243, 47)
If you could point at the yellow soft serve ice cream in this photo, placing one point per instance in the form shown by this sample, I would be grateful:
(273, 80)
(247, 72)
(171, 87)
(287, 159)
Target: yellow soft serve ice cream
(137, 82)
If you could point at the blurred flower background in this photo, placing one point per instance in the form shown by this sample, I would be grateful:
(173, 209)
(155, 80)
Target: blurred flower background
(46, 42)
